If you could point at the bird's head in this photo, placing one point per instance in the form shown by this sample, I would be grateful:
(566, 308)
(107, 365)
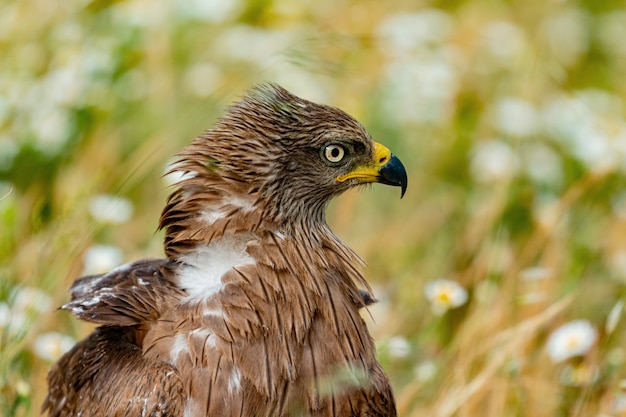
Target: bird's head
(289, 156)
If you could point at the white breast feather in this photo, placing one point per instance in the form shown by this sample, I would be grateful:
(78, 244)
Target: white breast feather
(234, 382)
(179, 346)
(201, 276)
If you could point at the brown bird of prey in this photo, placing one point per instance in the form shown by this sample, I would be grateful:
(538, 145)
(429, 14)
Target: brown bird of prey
(255, 309)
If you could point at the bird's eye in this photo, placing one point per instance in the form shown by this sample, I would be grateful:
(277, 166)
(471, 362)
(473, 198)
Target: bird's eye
(334, 153)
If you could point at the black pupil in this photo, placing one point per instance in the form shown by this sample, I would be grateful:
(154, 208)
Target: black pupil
(334, 152)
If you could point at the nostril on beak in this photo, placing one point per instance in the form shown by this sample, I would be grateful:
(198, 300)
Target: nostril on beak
(383, 159)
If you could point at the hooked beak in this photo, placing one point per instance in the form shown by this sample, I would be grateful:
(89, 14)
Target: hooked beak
(385, 168)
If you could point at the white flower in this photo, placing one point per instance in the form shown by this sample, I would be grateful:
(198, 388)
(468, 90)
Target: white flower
(22, 388)
(202, 79)
(542, 164)
(50, 346)
(493, 161)
(110, 208)
(263, 45)
(140, 14)
(425, 371)
(504, 40)
(208, 10)
(580, 126)
(533, 297)
(100, 259)
(515, 117)
(445, 294)
(24, 299)
(421, 89)
(51, 125)
(535, 273)
(23, 305)
(398, 347)
(563, 117)
(572, 339)
(405, 32)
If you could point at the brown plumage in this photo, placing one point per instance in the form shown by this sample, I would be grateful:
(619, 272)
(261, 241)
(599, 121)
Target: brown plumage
(255, 311)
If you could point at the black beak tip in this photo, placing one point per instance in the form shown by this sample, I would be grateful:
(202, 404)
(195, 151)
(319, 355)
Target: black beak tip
(394, 173)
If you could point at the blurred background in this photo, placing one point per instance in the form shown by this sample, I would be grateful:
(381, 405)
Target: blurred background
(501, 274)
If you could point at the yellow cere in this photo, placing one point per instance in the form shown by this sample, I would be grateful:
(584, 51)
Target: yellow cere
(369, 172)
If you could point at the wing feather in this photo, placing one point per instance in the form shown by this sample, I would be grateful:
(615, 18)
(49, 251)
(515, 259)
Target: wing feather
(126, 296)
(81, 382)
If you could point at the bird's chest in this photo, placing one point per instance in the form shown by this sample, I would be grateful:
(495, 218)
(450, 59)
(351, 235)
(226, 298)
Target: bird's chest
(269, 368)
(256, 350)
(257, 331)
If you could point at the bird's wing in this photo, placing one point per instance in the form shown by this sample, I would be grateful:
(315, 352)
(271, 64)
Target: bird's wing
(128, 295)
(111, 359)
(107, 375)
